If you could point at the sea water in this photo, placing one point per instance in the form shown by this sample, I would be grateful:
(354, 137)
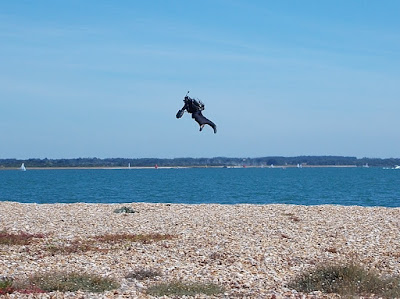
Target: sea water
(300, 186)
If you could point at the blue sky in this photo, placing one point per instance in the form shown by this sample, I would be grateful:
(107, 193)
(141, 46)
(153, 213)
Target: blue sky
(106, 78)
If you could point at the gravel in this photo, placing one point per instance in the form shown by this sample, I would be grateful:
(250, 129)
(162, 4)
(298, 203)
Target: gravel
(252, 251)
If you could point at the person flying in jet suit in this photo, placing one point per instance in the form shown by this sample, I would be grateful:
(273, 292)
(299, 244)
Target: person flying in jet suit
(195, 107)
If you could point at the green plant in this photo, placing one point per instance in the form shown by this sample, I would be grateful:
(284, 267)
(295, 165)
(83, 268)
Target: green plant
(125, 210)
(347, 280)
(178, 288)
(141, 274)
(73, 281)
(6, 285)
(9, 285)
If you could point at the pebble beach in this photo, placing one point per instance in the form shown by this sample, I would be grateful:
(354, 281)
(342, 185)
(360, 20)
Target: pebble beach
(252, 251)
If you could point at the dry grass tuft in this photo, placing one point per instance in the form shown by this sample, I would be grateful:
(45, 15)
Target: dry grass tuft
(347, 280)
(331, 250)
(72, 282)
(75, 246)
(9, 286)
(115, 238)
(20, 238)
(141, 274)
(178, 288)
(92, 244)
(292, 217)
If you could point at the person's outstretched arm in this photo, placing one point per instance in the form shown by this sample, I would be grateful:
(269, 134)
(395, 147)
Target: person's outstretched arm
(182, 111)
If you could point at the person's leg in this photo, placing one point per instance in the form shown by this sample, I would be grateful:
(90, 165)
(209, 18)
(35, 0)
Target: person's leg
(201, 120)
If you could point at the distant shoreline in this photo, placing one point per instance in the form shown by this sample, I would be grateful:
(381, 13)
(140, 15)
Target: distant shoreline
(177, 167)
(217, 162)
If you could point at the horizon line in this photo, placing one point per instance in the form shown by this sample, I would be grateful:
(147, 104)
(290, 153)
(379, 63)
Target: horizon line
(214, 157)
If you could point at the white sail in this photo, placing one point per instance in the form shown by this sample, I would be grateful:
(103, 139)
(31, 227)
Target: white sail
(23, 168)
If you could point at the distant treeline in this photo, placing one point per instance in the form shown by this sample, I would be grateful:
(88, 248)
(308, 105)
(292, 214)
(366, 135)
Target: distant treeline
(216, 161)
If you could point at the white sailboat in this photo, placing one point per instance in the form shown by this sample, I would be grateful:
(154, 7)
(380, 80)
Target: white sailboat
(23, 168)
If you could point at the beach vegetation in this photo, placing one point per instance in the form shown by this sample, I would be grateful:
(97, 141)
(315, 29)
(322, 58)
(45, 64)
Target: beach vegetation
(179, 288)
(72, 282)
(9, 285)
(147, 238)
(6, 285)
(141, 274)
(74, 246)
(20, 238)
(347, 280)
(331, 250)
(292, 217)
(124, 209)
(92, 244)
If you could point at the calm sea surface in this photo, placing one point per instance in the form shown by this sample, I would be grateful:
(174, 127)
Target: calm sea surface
(302, 186)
